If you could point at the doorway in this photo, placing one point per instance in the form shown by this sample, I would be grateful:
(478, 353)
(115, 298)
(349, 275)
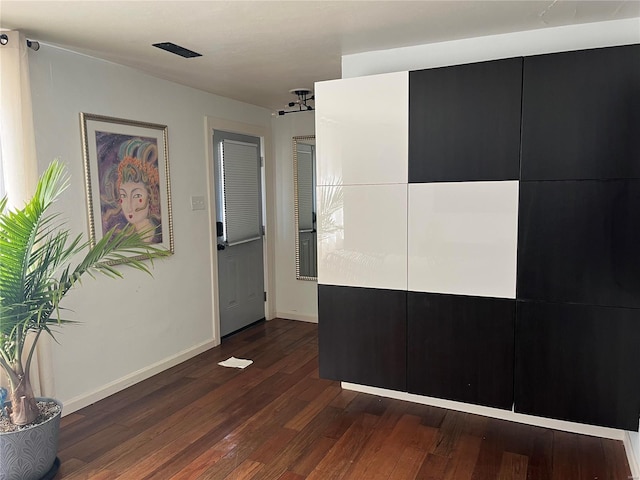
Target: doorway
(239, 230)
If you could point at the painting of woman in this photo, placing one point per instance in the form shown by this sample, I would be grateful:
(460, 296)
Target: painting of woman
(129, 184)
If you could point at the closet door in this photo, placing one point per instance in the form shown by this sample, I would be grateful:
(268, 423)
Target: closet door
(362, 335)
(581, 115)
(461, 348)
(361, 130)
(579, 242)
(578, 363)
(464, 122)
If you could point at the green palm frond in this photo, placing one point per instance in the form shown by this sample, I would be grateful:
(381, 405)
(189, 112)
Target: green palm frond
(36, 251)
(331, 202)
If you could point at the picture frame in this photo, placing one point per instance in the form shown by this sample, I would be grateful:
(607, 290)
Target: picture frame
(126, 166)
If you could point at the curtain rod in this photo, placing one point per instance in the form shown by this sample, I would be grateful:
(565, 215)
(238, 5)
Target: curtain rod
(32, 44)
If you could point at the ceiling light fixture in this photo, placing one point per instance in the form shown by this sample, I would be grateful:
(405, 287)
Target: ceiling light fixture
(302, 103)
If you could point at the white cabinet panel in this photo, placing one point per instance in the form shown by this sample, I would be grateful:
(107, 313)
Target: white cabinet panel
(463, 238)
(362, 236)
(362, 130)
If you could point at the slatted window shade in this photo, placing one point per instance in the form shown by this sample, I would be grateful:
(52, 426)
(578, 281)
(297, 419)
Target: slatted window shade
(305, 187)
(241, 187)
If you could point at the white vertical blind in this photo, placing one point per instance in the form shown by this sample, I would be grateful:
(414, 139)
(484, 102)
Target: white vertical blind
(19, 168)
(19, 163)
(241, 192)
(305, 187)
(2, 190)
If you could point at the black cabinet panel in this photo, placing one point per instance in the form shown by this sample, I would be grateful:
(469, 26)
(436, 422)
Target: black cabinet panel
(461, 348)
(579, 242)
(578, 363)
(464, 122)
(362, 335)
(581, 115)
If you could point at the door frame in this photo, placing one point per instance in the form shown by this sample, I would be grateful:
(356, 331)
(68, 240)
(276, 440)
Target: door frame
(268, 211)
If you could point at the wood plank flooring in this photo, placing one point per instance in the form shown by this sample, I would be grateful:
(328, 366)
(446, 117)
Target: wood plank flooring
(277, 420)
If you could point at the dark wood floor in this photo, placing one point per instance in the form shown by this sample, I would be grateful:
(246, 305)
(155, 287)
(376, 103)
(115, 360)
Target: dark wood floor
(278, 420)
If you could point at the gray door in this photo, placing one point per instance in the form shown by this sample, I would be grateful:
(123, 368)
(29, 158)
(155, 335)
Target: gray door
(239, 216)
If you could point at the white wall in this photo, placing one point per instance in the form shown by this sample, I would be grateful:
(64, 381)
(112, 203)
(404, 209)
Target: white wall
(295, 299)
(533, 42)
(134, 327)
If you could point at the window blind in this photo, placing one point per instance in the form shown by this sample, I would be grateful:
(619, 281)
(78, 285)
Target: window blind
(305, 187)
(241, 192)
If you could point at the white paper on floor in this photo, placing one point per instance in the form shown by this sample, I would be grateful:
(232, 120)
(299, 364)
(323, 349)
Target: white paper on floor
(234, 362)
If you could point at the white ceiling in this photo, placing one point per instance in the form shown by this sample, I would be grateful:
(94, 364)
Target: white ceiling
(256, 51)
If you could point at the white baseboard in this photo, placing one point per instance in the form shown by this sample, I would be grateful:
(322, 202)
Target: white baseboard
(297, 316)
(572, 427)
(87, 399)
(632, 456)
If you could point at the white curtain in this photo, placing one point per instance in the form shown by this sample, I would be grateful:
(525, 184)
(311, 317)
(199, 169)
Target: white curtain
(19, 167)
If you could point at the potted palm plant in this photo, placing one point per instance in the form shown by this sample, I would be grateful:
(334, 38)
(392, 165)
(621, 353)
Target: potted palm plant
(40, 261)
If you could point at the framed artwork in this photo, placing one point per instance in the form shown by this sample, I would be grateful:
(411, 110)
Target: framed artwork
(126, 165)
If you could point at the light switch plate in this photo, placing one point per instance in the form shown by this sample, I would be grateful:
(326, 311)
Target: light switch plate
(197, 203)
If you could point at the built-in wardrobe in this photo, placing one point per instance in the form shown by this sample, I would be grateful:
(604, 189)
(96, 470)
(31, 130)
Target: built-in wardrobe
(479, 233)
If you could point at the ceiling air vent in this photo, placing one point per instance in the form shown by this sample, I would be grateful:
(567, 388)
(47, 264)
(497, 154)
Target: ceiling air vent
(177, 49)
